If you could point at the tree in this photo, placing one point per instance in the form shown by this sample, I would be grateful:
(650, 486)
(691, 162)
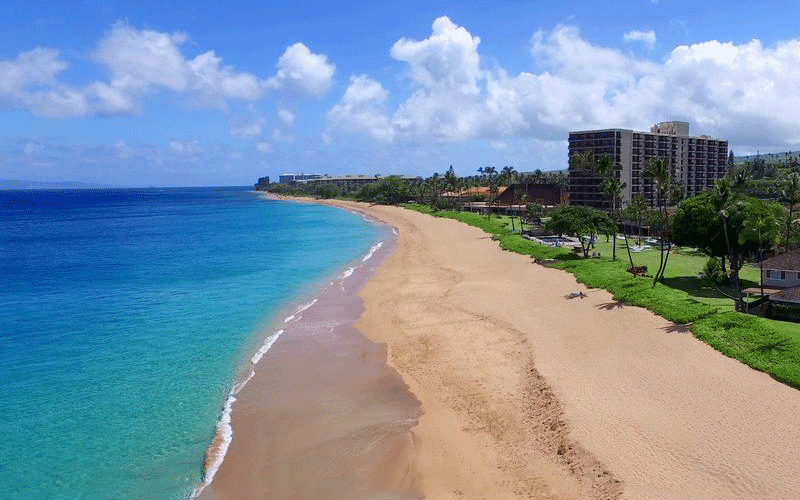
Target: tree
(584, 222)
(613, 188)
(491, 171)
(509, 177)
(636, 211)
(723, 223)
(791, 195)
(658, 170)
(761, 227)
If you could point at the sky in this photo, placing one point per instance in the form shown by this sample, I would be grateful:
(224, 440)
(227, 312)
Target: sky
(140, 93)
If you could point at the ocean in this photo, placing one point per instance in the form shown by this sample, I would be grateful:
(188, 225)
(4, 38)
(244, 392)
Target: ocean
(125, 317)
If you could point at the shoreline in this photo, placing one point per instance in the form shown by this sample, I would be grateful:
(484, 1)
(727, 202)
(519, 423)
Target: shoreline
(528, 392)
(327, 310)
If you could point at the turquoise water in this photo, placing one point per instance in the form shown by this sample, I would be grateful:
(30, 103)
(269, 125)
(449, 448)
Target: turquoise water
(124, 315)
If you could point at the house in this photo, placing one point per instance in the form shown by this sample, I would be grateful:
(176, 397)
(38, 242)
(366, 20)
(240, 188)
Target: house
(545, 194)
(781, 285)
(782, 271)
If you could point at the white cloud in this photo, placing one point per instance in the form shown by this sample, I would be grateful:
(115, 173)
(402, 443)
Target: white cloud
(143, 61)
(188, 148)
(445, 71)
(447, 59)
(302, 72)
(747, 93)
(286, 116)
(139, 62)
(32, 147)
(263, 147)
(139, 59)
(361, 109)
(235, 155)
(248, 130)
(646, 37)
(213, 83)
(29, 82)
(280, 136)
(37, 66)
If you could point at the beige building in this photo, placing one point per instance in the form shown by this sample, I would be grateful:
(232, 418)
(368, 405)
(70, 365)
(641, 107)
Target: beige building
(695, 162)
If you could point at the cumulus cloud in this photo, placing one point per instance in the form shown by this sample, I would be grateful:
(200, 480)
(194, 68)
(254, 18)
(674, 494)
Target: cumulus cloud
(302, 72)
(646, 37)
(447, 59)
(361, 109)
(748, 93)
(140, 62)
(144, 61)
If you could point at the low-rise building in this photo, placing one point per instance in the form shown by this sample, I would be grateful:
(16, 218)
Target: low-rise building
(349, 182)
(294, 178)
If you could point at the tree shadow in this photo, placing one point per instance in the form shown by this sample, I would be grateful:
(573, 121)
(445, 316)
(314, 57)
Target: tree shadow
(610, 306)
(676, 328)
(699, 287)
(779, 345)
(575, 295)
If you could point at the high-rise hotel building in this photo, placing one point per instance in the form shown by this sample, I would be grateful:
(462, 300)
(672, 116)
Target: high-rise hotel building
(695, 162)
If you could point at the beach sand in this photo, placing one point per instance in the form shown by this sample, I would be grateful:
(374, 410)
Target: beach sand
(530, 392)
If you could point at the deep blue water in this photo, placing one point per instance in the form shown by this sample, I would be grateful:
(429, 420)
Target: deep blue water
(124, 315)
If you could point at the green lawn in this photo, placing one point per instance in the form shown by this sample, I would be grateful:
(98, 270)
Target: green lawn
(764, 344)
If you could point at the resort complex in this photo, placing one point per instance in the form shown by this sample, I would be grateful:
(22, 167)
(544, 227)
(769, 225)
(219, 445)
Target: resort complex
(694, 162)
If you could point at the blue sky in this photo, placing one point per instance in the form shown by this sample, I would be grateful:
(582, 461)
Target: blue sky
(220, 93)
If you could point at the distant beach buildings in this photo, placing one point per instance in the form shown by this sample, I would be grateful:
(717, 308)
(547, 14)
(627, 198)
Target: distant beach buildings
(695, 162)
(294, 178)
(346, 182)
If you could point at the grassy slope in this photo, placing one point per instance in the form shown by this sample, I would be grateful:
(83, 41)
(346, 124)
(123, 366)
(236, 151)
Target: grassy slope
(766, 345)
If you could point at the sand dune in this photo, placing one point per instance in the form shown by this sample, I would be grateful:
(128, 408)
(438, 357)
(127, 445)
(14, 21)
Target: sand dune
(528, 393)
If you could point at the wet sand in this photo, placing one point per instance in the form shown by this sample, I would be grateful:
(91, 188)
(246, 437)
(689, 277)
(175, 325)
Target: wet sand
(323, 416)
(530, 392)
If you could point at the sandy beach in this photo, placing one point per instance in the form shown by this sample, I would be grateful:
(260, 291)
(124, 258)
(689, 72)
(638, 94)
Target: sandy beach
(530, 392)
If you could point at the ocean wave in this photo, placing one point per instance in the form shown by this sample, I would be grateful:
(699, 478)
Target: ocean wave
(224, 431)
(216, 452)
(348, 273)
(372, 251)
(264, 348)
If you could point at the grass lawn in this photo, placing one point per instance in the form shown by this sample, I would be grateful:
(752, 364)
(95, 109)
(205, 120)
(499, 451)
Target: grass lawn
(683, 266)
(767, 345)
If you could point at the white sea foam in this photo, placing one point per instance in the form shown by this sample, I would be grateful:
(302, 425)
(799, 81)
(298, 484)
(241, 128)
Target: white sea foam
(225, 435)
(348, 273)
(372, 251)
(306, 306)
(394, 231)
(224, 432)
(264, 348)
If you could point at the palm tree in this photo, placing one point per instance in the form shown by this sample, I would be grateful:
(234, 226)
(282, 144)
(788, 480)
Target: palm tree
(763, 226)
(726, 200)
(490, 171)
(613, 188)
(658, 170)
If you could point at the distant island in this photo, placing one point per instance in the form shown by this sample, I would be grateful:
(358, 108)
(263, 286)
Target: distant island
(18, 184)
